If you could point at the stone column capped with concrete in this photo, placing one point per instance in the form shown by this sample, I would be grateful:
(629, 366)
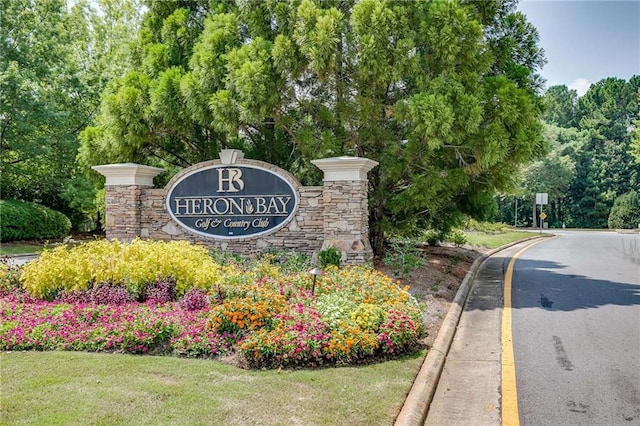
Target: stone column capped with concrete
(346, 210)
(123, 190)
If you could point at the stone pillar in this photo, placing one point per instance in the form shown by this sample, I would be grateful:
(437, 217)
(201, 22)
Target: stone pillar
(124, 187)
(346, 211)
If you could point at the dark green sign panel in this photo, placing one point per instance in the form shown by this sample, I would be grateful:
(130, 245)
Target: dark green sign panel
(232, 201)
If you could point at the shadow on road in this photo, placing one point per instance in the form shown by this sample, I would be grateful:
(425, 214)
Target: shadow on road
(548, 285)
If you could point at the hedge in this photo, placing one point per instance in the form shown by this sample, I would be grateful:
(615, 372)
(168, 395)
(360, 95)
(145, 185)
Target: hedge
(625, 213)
(21, 220)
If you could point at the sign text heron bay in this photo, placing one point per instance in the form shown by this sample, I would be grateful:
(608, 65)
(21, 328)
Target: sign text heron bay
(232, 201)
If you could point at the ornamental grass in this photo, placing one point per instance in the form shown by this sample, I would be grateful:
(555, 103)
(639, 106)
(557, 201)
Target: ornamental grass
(172, 298)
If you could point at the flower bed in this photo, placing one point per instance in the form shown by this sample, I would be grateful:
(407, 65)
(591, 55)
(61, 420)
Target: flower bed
(133, 328)
(269, 317)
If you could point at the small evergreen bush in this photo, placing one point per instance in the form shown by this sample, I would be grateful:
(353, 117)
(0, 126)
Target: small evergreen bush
(433, 237)
(457, 237)
(625, 213)
(21, 220)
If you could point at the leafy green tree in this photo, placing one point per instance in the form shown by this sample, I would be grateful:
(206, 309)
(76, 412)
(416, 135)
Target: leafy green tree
(635, 134)
(561, 106)
(552, 175)
(605, 167)
(37, 115)
(441, 94)
(590, 162)
(150, 114)
(609, 106)
(55, 60)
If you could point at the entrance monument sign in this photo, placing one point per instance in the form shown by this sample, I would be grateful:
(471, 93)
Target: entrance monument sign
(244, 206)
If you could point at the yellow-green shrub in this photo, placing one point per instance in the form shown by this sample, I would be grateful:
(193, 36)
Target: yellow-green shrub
(4, 270)
(133, 265)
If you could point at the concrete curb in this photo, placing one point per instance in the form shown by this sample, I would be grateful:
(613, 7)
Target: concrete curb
(416, 406)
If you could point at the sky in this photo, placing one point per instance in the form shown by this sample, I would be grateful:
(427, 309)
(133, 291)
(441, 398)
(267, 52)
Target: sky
(586, 41)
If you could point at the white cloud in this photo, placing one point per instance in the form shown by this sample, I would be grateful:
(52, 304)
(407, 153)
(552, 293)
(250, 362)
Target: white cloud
(580, 85)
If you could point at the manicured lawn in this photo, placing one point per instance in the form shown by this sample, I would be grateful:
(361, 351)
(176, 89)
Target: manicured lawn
(488, 240)
(90, 388)
(6, 250)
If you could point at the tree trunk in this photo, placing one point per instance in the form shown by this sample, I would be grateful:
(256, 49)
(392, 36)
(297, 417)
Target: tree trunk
(98, 226)
(376, 213)
(534, 216)
(377, 238)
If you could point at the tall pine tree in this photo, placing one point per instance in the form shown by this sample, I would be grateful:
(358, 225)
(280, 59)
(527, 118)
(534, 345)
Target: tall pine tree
(442, 94)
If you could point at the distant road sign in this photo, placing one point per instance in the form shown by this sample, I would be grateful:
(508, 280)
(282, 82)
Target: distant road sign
(542, 198)
(543, 215)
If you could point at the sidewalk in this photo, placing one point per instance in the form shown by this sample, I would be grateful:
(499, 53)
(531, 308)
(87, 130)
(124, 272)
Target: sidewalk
(468, 391)
(459, 382)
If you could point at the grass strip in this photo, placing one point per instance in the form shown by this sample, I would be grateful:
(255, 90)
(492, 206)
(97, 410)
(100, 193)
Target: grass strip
(10, 250)
(89, 388)
(489, 240)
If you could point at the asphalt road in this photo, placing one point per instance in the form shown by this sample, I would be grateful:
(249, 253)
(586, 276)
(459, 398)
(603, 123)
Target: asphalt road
(576, 330)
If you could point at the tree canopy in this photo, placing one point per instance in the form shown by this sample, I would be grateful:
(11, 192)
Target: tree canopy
(442, 94)
(38, 84)
(55, 60)
(605, 165)
(591, 161)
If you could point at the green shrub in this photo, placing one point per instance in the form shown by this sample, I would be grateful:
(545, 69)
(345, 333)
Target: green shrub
(625, 213)
(403, 258)
(330, 256)
(487, 227)
(433, 237)
(21, 220)
(457, 237)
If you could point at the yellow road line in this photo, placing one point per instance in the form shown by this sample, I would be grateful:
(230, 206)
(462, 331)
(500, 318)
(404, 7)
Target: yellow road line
(510, 416)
